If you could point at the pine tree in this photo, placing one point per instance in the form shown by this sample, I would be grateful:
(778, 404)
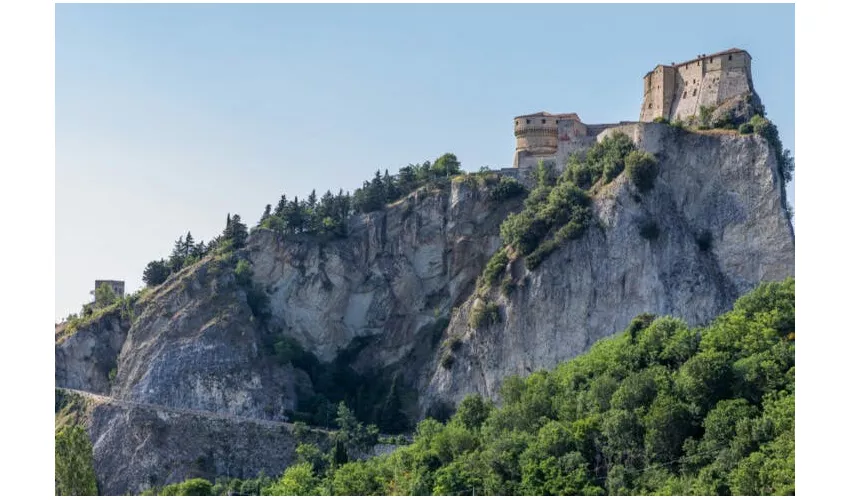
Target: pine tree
(266, 214)
(156, 272)
(339, 456)
(189, 245)
(280, 209)
(200, 250)
(238, 232)
(312, 222)
(177, 258)
(296, 216)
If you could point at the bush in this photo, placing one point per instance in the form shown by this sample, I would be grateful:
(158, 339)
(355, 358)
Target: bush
(447, 360)
(507, 188)
(536, 257)
(453, 343)
(484, 314)
(746, 128)
(243, 272)
(495, 267)
(660, 119)
(642, 169)
(507, 287)
(649, 230)
(784, 160)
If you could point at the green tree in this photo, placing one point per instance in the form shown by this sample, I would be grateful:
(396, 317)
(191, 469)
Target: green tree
(446, 165)
(236, 231)
(156, 272)
(297, 480)
(188, 245)
(177, 258)
(473, 411)
(104, 296)
(74, 463)
(642, 169)
(267, 212)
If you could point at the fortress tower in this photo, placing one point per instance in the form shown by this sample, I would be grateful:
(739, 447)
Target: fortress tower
(537, 137)
(678, 91)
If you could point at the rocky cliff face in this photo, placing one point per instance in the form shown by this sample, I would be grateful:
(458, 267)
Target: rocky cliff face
(406, 272)
(85, 358)
(722, 228)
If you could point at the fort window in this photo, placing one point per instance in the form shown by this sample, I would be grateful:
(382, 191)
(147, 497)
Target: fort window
(544, 120)
(711, 60)
(527, 122)
(730, 57)
(517, 122)
(684, 95)
(695, 92)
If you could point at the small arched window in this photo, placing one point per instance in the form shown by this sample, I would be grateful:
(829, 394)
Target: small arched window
(544, 120)
(527, 122)
(730, 57)
(695, 92)
(684, 95)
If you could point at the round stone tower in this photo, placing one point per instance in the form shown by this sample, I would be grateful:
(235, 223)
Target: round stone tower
(537, 137)
(536, 134)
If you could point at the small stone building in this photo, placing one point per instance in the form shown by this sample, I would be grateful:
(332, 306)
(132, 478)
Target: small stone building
(117, 286)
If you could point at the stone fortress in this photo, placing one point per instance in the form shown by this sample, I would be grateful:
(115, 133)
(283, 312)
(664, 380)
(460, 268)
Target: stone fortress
(718, 84)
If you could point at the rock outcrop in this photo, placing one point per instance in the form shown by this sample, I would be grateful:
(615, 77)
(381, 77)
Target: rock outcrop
(85, 358)
(719, 209)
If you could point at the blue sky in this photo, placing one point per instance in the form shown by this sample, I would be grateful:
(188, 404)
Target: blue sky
(170, 116)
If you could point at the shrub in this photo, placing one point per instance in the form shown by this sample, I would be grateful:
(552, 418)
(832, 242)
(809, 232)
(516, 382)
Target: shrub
(507, 188)
(507, 287)
(642, 169)
(243, 272)
(746, 128)
(705, 117)
(495, 267)
(784, 160)
(649, 230)
(453, 343)
(484, 314)
(447, 360)
(545, 174)
(536, 257)
(660, 119)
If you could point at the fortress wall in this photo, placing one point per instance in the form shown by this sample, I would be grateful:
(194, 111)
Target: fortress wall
(646, 136)
(678, 92)
(735, 81)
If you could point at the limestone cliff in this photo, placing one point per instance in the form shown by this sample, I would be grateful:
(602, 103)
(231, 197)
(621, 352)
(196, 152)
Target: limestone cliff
(402, 274)
(726, 186)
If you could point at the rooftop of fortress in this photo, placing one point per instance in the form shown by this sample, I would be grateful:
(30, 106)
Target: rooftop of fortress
(573, 116)
(700, 57)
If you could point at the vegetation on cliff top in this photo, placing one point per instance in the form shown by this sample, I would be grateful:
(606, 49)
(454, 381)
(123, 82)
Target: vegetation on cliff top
(660, 408)
(558, 209)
